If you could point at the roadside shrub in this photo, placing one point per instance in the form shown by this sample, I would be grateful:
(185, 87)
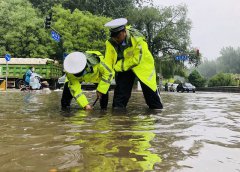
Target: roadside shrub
(222, 79)
(177, 81)
(196, 79)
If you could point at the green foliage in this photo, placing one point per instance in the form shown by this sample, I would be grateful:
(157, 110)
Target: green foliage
(110, 8)
(196, 79)
(167, 32)
(81, 26)
(167, 69)
(193, 57)
(177, 81)
(21, 32)
(80, 31)
(167, 29)
(45, 5)
(222, 79)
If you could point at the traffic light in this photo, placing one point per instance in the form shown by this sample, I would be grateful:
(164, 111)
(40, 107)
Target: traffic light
(48, 21)
(197, 52)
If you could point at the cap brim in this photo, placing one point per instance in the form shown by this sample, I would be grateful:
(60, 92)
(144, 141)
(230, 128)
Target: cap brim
(116, 23)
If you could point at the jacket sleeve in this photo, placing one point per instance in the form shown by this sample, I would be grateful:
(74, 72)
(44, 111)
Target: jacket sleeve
(110, 57)
(107, 74)
(76, 91)
(130, 60)
(106, 68)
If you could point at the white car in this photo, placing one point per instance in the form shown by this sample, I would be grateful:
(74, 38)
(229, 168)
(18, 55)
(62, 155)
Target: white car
(173, 87)
(61, 81)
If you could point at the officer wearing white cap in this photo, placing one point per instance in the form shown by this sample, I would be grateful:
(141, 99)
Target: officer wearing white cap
(85, 67)
(75, 62)
(128, 54)
(116, 26)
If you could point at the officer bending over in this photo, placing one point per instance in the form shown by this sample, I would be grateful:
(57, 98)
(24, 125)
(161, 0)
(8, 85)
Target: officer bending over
(85, 67)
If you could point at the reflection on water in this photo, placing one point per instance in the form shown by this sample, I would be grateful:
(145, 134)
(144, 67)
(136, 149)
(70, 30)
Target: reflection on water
(194, 132)
(112, 143)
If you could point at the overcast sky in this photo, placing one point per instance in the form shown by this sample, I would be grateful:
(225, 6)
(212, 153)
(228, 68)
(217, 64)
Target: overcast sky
(215, 24)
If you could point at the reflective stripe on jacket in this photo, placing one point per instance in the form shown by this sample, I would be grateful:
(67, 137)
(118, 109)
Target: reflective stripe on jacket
(137, 58)
(102, 74)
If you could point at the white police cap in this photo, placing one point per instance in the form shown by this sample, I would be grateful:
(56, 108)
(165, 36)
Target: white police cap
(117, 24)
(75, 62)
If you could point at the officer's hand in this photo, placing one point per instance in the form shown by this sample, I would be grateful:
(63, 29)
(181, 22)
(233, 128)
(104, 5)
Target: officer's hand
(88, 107)
(99, 95)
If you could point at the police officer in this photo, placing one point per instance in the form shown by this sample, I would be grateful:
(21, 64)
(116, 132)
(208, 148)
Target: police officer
(128, 54)
(85, 67)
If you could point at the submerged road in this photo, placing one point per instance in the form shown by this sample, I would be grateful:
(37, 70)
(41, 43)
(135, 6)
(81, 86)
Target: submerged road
(194, 132)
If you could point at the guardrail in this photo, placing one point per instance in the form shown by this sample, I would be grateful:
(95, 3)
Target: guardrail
(230, 89)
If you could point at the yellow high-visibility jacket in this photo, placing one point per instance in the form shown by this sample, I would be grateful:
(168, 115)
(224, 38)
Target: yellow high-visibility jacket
(137, 57)
(102, 74)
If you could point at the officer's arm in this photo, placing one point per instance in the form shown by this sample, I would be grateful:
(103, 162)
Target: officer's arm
(129, 62)
(76, 91)
(106, 68)
(110, 57)
(107, 74)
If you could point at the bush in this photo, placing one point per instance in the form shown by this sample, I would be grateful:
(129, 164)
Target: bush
(177, 81)
(196, 79)
(222, 79)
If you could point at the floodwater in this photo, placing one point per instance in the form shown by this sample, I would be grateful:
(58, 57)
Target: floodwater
(196, 132)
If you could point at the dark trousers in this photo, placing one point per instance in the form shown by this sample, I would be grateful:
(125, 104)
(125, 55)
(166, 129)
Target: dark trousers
(123, 89)
(67, 98)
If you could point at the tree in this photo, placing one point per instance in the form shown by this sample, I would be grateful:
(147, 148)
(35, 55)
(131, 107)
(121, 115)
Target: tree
(22, 32)
(167, 33)
(80, 31)
(207, 68)
(168, 67)
(45, 6)
(229, 61)
(109, 8)
(196, 79)
(167, 29)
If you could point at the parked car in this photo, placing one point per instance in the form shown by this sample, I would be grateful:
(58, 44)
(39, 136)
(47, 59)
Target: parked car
(173, 87)
(186, 87)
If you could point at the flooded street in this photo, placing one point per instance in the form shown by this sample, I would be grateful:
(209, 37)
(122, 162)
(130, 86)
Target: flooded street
(195, 132)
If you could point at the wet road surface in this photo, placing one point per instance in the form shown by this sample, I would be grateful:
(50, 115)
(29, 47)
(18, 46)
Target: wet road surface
(195, 132)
